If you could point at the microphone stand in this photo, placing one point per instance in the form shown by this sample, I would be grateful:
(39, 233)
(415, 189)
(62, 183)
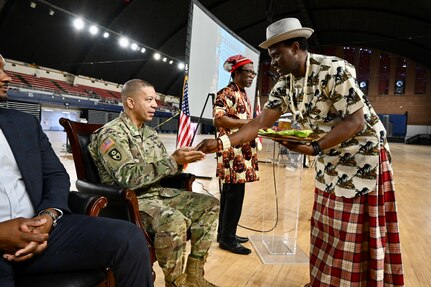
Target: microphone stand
(200, 117)
(212, 95)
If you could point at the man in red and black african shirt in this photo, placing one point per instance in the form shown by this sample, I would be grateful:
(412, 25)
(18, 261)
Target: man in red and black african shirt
(236, 165)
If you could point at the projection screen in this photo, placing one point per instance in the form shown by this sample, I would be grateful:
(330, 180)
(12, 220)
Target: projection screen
(210, 44)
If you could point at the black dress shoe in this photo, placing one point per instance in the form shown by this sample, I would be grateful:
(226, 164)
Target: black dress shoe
(234, 248)
(238, 239)
(241, 239)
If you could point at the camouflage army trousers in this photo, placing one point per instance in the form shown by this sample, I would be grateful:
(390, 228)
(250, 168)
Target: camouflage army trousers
(170, 218)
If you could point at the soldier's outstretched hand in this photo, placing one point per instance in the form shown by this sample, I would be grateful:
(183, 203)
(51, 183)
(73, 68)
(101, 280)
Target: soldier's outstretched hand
(187, 155)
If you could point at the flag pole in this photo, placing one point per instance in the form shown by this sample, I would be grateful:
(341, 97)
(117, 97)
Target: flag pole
(180, 106)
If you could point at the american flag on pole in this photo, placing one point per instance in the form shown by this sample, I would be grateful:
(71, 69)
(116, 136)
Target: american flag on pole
(184, 129)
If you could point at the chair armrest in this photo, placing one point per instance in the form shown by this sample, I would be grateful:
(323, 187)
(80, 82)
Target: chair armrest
(181, 181)
(122, 204)
(109, 191)
(89, 204)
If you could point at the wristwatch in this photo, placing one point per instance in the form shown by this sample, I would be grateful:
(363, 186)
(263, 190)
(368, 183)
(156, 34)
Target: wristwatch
(55, 217)
(316, 148)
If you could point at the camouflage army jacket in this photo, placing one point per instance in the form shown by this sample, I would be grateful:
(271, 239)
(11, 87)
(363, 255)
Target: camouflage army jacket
(330, 94)
(133, 158)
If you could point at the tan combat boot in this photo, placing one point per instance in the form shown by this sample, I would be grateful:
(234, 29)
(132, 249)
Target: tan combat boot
(179, 282)
(195, 273)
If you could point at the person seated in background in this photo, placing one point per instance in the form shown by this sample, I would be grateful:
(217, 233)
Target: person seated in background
(130, 154)
(38, 233)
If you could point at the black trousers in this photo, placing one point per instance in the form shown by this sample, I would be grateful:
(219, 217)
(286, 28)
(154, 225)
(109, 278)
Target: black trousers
(82, 242)
(231, 200)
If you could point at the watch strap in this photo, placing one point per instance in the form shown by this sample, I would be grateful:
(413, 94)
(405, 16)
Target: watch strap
(316, 148)
(55, 217)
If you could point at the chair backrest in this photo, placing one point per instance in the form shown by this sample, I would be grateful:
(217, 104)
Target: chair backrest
(79, 138)
(86, 171)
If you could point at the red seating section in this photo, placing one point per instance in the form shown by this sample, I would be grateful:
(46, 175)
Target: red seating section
(102, 93)
(41, 83)
(70, 89)
(35, 82)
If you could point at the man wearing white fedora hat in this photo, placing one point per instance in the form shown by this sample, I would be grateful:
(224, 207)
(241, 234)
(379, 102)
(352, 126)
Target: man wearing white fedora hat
(354, 226)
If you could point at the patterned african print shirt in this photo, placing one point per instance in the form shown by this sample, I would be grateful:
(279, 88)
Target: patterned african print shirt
(349, 169)
(133, 158)
(237, 164)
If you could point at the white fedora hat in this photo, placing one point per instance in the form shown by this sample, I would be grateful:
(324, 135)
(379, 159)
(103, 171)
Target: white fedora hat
(285, 29)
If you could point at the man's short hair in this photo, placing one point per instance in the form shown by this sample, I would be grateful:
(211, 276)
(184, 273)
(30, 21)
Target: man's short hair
(303, 44)
(132, 87)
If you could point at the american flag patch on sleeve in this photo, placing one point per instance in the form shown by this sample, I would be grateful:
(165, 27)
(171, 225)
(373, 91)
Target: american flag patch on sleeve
(106, 145)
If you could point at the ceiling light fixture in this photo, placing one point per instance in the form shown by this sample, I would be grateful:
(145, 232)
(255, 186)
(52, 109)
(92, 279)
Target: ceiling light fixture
(78, 23)
(124, 42)
(93, 30)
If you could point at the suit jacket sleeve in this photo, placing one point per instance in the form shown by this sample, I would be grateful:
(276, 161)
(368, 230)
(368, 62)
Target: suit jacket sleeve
(45, 178)
(55, 180)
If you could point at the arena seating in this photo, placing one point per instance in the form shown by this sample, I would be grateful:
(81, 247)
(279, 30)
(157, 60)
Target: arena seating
(115, 94)
(35, 82)
(102, 93)
(71, 89)
(17, 79)
(52, 85)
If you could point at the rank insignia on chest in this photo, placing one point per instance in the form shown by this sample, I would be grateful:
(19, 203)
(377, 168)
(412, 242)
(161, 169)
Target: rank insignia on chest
(115, 154)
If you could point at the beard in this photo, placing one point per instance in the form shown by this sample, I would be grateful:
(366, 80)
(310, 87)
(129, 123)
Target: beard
(3, 98)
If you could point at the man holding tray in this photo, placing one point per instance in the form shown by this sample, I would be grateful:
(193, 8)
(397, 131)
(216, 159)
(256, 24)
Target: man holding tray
(354, 225)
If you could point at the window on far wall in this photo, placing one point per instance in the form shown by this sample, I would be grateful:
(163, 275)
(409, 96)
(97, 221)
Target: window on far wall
(384, 69)
(364, 69)
(331, 51)
(349, 54)
(400, 76)
(421, 80)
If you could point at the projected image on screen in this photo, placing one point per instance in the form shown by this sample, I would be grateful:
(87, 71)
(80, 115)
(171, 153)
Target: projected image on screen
(227, 46)
(210, 45)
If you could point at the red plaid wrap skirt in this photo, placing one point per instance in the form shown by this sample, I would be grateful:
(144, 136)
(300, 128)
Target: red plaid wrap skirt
(355, 241)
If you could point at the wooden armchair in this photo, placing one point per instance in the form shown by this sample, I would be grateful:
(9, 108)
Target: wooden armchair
(89, 204)
(122, 202)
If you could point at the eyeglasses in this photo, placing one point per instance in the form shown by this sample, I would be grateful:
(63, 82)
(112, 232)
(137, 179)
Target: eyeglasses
(250, 72)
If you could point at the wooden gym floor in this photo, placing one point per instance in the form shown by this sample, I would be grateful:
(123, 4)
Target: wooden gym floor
(411, 164)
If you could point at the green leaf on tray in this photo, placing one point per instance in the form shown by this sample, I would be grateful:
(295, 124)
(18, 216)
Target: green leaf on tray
(283, 133)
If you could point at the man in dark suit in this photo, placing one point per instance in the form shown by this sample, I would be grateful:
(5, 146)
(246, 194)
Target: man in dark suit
(38, 233)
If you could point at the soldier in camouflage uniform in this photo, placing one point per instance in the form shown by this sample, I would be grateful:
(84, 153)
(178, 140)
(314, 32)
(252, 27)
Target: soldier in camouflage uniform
(130, 154)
